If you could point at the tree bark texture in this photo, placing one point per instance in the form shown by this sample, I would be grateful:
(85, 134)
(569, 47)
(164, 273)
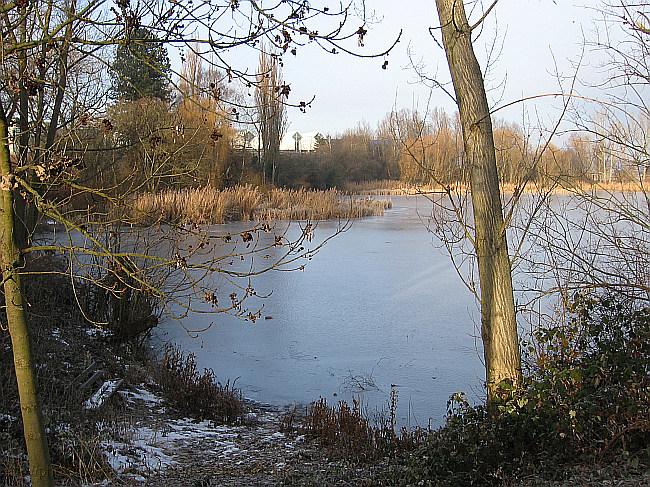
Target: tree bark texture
(498, 320)
(34, 432)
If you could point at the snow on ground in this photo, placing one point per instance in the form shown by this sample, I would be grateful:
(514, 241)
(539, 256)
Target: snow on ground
(7, 418)
(107, 389)
(56, 334)
(141, 394)
(98, 333)
(147, 450)
(139, 454)
(155, 441)
(152, 445)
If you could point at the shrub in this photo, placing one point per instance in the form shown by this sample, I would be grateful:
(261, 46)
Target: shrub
(197, 393)
(591, 376)
(349, 433)
(585, 398)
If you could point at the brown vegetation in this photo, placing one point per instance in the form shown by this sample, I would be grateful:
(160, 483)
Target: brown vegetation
(392, 187)
(197, 393)
(349, 433)
(209, 205)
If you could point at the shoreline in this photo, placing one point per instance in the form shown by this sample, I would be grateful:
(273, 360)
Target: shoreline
(507, 188)
(137, 437)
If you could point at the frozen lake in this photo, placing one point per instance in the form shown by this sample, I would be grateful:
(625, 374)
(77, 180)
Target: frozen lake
(379, 306)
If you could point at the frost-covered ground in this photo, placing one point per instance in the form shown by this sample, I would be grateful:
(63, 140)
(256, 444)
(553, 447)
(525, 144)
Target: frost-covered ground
(132, 437)
(153, 447)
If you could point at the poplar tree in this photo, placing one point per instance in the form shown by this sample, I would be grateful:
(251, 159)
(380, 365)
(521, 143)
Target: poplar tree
(498, 319)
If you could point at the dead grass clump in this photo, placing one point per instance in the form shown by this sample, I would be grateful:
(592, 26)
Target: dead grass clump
(197, 393)
(13, 470)
(349, 433)
(392, 187)
(342, 428)
(79, 455)
(211, 206)
(381, 184)
(197, 205)
(301, 204)
(556, 186)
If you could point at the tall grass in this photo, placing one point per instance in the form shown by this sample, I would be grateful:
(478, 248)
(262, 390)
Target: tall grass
(396, 187)
(348, 432)
(389, 187)
(208, 205)
(194, 392)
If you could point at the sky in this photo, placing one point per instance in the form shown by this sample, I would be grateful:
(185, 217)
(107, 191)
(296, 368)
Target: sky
(534, 37)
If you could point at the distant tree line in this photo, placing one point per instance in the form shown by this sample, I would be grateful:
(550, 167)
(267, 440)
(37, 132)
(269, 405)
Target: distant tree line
(164, 132)
(419, 148)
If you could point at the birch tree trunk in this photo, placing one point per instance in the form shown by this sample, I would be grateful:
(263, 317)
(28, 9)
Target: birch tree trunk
(35, 439)
(498, 321)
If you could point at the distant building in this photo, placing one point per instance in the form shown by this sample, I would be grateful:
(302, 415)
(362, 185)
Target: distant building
(13, 138)
(293, 141)
(245, 139)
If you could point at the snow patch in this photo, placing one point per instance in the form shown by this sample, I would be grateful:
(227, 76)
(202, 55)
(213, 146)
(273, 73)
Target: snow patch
(141, 394)
(148, 450)
(98, 333)
(137, 455)
(107, 389)
(277, 436)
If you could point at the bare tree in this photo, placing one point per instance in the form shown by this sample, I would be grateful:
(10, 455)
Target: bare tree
(597, 239)
(42, 41)
(271, 110)
(498, 320)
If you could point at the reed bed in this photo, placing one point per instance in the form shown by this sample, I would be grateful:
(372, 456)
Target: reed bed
(385, 184)
(391, 187)
(208, 205)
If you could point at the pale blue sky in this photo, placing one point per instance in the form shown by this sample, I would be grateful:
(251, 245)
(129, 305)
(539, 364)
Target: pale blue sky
(535, 34)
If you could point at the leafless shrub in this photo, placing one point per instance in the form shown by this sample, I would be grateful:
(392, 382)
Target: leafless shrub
(349, 433)
(194, 392)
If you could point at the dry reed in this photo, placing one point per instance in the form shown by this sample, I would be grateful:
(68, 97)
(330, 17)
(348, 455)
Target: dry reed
(395, 187)
(209, 205)
(391, 187)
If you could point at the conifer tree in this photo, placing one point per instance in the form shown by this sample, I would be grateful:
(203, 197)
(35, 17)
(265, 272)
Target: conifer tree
(141, 68)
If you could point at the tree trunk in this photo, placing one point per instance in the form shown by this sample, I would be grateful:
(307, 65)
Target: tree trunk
(25, 214)
(35, 439)
(498, 321)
